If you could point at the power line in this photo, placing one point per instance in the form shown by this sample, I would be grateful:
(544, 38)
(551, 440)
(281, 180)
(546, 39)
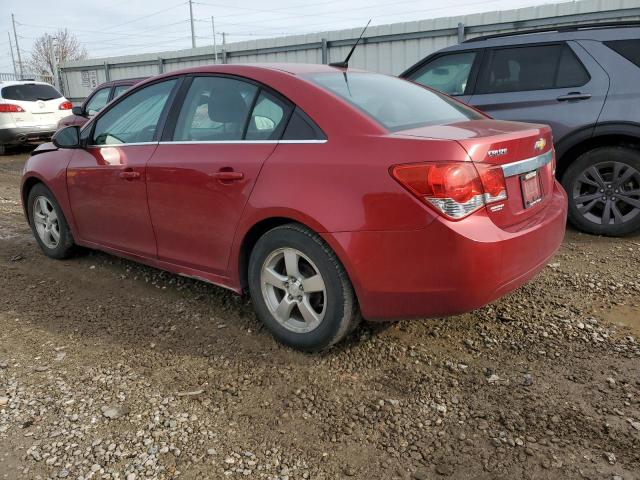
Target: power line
(142, 17)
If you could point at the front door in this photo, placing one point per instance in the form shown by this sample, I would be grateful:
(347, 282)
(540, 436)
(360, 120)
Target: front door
(200, 179)
(557, 84)
(106, 180)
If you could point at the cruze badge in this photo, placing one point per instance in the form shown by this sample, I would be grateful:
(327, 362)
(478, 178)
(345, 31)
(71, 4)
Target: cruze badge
(498, 152)
(540, 144)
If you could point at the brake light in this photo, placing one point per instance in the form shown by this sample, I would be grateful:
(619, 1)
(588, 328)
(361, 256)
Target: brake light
(10, 108)
(66, 106)
(455, 189)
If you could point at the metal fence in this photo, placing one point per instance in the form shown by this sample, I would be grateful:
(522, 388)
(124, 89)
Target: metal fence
(386, 48)
(8, 77)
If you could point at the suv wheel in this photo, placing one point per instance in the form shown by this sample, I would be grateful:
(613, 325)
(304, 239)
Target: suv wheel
(300, 290)
(603, 186)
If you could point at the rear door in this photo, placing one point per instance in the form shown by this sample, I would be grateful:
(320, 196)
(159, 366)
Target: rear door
(558, 84)
(200, 177)
(40, 103)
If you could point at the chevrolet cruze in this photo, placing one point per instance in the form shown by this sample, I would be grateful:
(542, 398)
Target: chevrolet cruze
(330, 194)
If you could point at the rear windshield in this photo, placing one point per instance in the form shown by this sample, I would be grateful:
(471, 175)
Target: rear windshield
(30, 92)
(392, 102)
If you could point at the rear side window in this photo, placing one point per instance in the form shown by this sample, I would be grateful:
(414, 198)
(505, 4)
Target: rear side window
(301, 127)
(629, 49)
(528, 68)
(30, 92)
(215, 109)
(120, 89)
(267, 118)
(394, 103)
(448, 74)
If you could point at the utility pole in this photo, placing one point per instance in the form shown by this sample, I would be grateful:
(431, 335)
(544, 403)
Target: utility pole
(13, 60)
(54, 64)
(224, 47)
(15, 36)
(193, 32)
(215, 47)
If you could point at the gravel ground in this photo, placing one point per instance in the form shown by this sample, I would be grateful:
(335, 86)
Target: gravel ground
(111, 370)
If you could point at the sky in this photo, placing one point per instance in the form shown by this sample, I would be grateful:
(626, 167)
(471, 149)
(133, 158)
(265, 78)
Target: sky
(123, 27)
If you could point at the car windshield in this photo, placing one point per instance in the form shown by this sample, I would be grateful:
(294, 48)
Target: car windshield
(30, 92)
(392, 102)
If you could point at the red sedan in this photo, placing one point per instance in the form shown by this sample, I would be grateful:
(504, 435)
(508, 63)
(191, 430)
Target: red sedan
(328, 193)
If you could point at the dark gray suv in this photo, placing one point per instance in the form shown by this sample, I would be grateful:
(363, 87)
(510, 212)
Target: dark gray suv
(584, 81)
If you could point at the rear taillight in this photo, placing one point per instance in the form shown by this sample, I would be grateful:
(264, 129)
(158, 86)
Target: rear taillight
(65, 106)
(455, 189)
(10, 108)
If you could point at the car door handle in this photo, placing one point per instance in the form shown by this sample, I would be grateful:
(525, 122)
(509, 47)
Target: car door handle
(129, 175)
(228, 175)
(574, 96)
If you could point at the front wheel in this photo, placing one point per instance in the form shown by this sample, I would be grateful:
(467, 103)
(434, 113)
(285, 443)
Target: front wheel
(603, 186)
(300, 289)
(48, 223)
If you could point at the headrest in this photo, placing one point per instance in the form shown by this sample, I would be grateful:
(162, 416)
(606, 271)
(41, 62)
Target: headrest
(226, 105)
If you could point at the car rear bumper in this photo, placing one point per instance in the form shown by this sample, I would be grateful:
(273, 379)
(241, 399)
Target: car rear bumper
(21, 135)
(448, 267)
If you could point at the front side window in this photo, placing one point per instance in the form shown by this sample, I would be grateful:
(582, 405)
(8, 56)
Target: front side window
(538, 67)
(215, 109)
(30, 92)
(394, 103)
(97, 101)
(448, 74)
(135, 118)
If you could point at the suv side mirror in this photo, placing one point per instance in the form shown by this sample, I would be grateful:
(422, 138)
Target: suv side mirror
(79, 111)
(67, 137)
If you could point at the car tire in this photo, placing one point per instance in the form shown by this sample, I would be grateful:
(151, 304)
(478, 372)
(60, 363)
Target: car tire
(603, 189)
(300, 289)
(48, 224)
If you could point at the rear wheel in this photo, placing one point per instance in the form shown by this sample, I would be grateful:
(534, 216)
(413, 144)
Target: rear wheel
(603, 186)
(300, 290)
(48, 223)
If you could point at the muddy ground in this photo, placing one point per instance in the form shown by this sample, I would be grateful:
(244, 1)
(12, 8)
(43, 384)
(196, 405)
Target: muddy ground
(113, 370)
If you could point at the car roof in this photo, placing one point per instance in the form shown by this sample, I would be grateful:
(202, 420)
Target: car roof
(239, 68)
(575, 32)
(6, 83)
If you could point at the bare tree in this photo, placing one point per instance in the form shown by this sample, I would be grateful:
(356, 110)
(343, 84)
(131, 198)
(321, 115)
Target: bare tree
(49, 50)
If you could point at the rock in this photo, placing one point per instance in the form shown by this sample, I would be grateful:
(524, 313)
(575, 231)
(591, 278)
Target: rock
(4, 401)
(131, 476)
(350, 471)
(611, 458)
(3, 365)
(444, 469)
(635, 425)
(611, 381)
(493, 378)
(211, 451)
(115, 411)
(527, 380)
(420, 475)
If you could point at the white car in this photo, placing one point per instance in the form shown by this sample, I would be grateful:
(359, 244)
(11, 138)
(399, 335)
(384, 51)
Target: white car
(29, 112)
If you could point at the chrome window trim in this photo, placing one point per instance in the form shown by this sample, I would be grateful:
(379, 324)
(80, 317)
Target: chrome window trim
(134, 144)
(232, 142)
(527, 165)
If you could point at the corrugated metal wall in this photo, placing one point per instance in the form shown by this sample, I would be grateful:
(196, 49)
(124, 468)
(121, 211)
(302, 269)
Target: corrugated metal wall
(386, 48)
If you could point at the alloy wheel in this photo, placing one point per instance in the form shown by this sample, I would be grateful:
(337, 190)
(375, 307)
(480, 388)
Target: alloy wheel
(608, 193)
(46, 222)
(294, 290)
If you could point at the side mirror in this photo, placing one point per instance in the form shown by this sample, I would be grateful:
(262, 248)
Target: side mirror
(67, 137)
(79, 111)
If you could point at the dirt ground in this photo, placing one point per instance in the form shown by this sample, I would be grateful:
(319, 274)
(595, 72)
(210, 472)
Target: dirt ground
(113, 370)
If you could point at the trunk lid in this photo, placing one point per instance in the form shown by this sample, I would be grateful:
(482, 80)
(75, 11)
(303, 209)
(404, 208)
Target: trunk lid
(525, 153)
